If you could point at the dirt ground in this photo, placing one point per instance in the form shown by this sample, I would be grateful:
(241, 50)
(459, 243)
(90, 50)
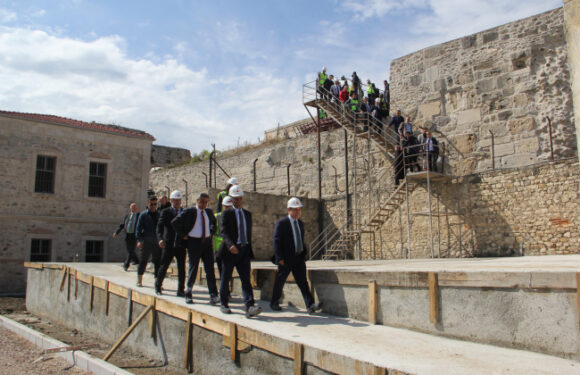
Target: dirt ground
(15, 308)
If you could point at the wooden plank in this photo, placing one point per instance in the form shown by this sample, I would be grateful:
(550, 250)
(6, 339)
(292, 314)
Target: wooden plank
(68, 284)
(578, 297)
(143, 299)
(433, 298)
(76, 284)
(172, 309)
(129, 306)
(188, 332)
(34, 265)
(373, 302)
(83, 277)
(106, 304)
(210, 323)
(91, 294)
(118, 290)
(127, 333)
(266, 342)
(63, 278)
(99, 282)
(298, 359)
(233, 338)
(254, 278)
(152, 317)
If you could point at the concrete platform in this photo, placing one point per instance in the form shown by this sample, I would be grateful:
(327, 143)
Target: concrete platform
(291, 340)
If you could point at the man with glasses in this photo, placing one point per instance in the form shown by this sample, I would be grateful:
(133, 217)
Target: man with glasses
(147, 239)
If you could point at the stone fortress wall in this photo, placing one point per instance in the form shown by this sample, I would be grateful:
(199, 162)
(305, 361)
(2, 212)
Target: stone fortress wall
(507, 80)
(162, 156)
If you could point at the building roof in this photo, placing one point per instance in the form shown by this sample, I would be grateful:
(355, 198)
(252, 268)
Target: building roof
(57, 120)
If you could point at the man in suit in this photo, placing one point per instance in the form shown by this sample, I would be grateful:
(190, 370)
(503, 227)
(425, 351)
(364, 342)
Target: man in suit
(430, 151)
(289, 254)
(195, 226)
(166, 237)
(129, 224)
(146, 234)
(236, 251)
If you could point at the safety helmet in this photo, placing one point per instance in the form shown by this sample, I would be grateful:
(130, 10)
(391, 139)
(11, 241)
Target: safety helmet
(377, 100)
(227, 201)
(233, 181)
(236, 191)
(324, 69)
(176, 194)
(294, 203)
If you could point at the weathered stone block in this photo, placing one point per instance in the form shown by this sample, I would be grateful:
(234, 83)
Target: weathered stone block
(517, 126)
(528, 145)
(504, 149)
(428, 110)
(471, 115)
(517, 160)
(490, 37)
(465, 143)
(521, 100)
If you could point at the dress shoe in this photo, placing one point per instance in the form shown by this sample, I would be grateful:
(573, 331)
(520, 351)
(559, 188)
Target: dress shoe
(214, 300)
(125, 267)
(158, 291)
(180, 293)
(276, 307)
(225, 310)
(188, 298)
(253, 311)
(314, 308)
(139, 280)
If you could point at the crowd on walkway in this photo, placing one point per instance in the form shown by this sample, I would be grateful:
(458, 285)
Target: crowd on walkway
(166, 230)
(412, 153)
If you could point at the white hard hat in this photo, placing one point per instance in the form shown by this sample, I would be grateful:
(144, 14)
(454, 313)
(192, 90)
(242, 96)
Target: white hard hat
(233, 181)
(294, 203)
(227, 201)
(176, 194)
(236, 191)
(323, 68)
(377, 100)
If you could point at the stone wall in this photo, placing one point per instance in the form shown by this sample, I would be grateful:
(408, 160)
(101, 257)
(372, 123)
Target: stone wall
(525, 211)
(506, 80)
(162, 156)
(68, 217)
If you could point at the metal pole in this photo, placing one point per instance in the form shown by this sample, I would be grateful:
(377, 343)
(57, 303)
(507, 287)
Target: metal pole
(429, 202)
(186, 193)
(254, 168)
(346, 195)
(369, 176)
(168, 191)
(492, 150)
(288, 177)
(438, 227)
(459, 216)
(406, 182)
(550, 135)
(210, 170)
(214, 168)
(205, 174)
(320, 212)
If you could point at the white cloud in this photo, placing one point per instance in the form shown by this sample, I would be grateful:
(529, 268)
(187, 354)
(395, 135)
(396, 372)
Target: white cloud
(7, 16)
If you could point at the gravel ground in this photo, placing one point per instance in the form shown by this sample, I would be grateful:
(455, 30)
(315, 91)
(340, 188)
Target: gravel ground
(20, 356)
(15, 309)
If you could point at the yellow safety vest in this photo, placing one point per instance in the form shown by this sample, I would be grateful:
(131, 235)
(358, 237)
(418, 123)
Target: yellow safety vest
(322, 77)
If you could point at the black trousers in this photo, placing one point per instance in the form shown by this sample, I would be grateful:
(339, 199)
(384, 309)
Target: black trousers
(431, 161)
(170, 252)
(149, 250)
(130, 243)
(241, 262)
(196, 250)
(299, 271)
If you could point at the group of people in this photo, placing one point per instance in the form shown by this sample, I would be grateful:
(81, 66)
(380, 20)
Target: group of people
(195, 232)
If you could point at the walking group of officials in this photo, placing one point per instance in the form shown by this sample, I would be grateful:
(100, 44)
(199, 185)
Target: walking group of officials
(174, 232)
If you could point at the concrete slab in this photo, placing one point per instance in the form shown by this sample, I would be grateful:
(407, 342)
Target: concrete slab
(385, 347)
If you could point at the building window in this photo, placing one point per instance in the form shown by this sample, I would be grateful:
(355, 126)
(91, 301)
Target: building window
(45, 167)
(94, 251)
(97, 179)
(40, 250)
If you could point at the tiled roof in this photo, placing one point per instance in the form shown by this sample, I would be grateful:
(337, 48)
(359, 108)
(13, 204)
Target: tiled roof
(51, 119)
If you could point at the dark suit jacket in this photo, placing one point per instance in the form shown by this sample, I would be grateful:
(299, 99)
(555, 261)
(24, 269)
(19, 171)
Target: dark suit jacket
(165, 230)
(184, 222)
(229, 232)
(125, 223)
(284, 247)
(146, 230)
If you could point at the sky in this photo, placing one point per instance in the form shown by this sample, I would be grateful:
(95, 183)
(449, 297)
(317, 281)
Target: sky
(196, 73)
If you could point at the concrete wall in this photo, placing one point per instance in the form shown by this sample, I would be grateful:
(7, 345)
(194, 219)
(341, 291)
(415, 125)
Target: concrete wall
(506, 80)
(68, 217)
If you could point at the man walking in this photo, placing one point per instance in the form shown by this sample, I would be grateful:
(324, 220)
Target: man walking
(147, 239)
(166, 237)
(290, 253)
(236, 251)
(196, 225)
(129, 224)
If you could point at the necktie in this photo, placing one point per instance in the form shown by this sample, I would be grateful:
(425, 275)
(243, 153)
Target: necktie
(242, 227)
(130, 228)
(202, 226)
(297, 238)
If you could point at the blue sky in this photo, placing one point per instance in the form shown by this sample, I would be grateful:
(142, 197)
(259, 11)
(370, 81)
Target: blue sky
(193, 73)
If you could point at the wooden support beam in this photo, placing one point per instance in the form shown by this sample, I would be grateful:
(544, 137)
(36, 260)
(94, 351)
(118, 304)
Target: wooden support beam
(76, 284)
(578, 297)
(129, 305)
(63, 277)
(233, 339)
(106, 298)
(127, 333)
(298, 359)
(188, 332)
(91, 293)
(373, 302)
(380, 371)
(433, 298)
(68, 285)
(152, 319)
(254, 278)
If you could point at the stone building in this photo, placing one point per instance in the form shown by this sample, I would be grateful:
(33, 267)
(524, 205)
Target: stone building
(66, 184)
(508, 199)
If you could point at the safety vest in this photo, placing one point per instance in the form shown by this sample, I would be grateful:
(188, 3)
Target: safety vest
(322, 77)
(322, 114)
(371, 89)
(354, 105)
(217, 239)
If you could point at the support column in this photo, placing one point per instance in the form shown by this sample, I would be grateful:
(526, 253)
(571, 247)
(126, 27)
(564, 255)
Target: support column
(572, 22)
